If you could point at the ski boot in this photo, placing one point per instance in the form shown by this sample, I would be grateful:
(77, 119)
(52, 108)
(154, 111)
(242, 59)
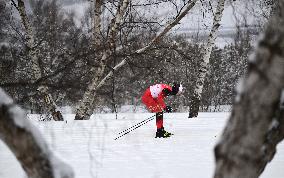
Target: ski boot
(161, 133)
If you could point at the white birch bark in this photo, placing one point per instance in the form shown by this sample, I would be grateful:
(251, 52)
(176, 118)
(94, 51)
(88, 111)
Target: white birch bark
(27, 144)
(30, 42)
(116, 22)
(256, 124)
(34, 62)
(85, 109)
(97, 23)
(198, 88)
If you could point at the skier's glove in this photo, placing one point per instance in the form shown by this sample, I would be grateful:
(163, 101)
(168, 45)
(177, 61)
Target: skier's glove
(168, 109)
(167, 92)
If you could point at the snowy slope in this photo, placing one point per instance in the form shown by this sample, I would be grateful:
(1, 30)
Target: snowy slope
(90, 148)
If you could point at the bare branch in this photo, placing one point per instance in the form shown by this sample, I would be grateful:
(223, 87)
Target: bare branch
(169, 26)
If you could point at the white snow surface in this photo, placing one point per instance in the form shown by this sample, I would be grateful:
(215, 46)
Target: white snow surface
(89, 147)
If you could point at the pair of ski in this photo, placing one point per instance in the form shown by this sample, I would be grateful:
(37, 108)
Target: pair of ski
(130, 129)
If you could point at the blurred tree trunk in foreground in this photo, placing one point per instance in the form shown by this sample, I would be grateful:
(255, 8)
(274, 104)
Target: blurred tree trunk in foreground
(27, 144)
(256, 124)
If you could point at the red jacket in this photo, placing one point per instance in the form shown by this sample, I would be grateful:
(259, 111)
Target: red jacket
(153, 97)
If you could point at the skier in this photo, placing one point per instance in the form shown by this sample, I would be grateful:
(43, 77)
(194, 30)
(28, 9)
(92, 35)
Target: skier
(154, 97)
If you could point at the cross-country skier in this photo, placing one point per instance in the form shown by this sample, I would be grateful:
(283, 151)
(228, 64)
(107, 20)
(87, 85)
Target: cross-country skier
(154, 97)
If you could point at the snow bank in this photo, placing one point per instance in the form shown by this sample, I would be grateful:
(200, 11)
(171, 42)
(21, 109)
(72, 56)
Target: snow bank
(89, 146)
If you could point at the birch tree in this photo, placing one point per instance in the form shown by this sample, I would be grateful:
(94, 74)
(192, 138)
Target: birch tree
(97, 23)
(256, 124)
(198, 88)
(34, 67)
(27, 144)
(85, 108)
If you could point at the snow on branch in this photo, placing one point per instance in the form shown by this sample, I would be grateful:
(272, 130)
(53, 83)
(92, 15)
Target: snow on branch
(27, 144)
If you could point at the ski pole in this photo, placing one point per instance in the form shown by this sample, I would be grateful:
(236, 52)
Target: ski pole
(146, 121)
(133, 129)
(135, 125)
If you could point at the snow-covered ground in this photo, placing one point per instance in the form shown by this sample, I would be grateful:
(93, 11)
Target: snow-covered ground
(89, 147)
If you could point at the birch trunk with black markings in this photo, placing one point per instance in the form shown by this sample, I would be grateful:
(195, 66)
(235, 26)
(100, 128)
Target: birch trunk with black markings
(35, 70)
(204, 65)
(256, 124)
(97, 24)
(85, 108)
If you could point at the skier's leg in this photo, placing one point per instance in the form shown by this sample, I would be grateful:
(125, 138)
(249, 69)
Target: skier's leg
(159, 120)
(159, 124)
(160, 128)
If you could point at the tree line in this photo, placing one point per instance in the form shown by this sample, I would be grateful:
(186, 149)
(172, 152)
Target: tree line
(67, 57)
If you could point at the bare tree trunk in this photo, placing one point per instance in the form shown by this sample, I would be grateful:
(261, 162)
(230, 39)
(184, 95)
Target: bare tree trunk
(27, 144)
(256, 124)
(198, 88)
(30, 42)
(50, 103)
(85, 109)
(34, 62)
(97, 23)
